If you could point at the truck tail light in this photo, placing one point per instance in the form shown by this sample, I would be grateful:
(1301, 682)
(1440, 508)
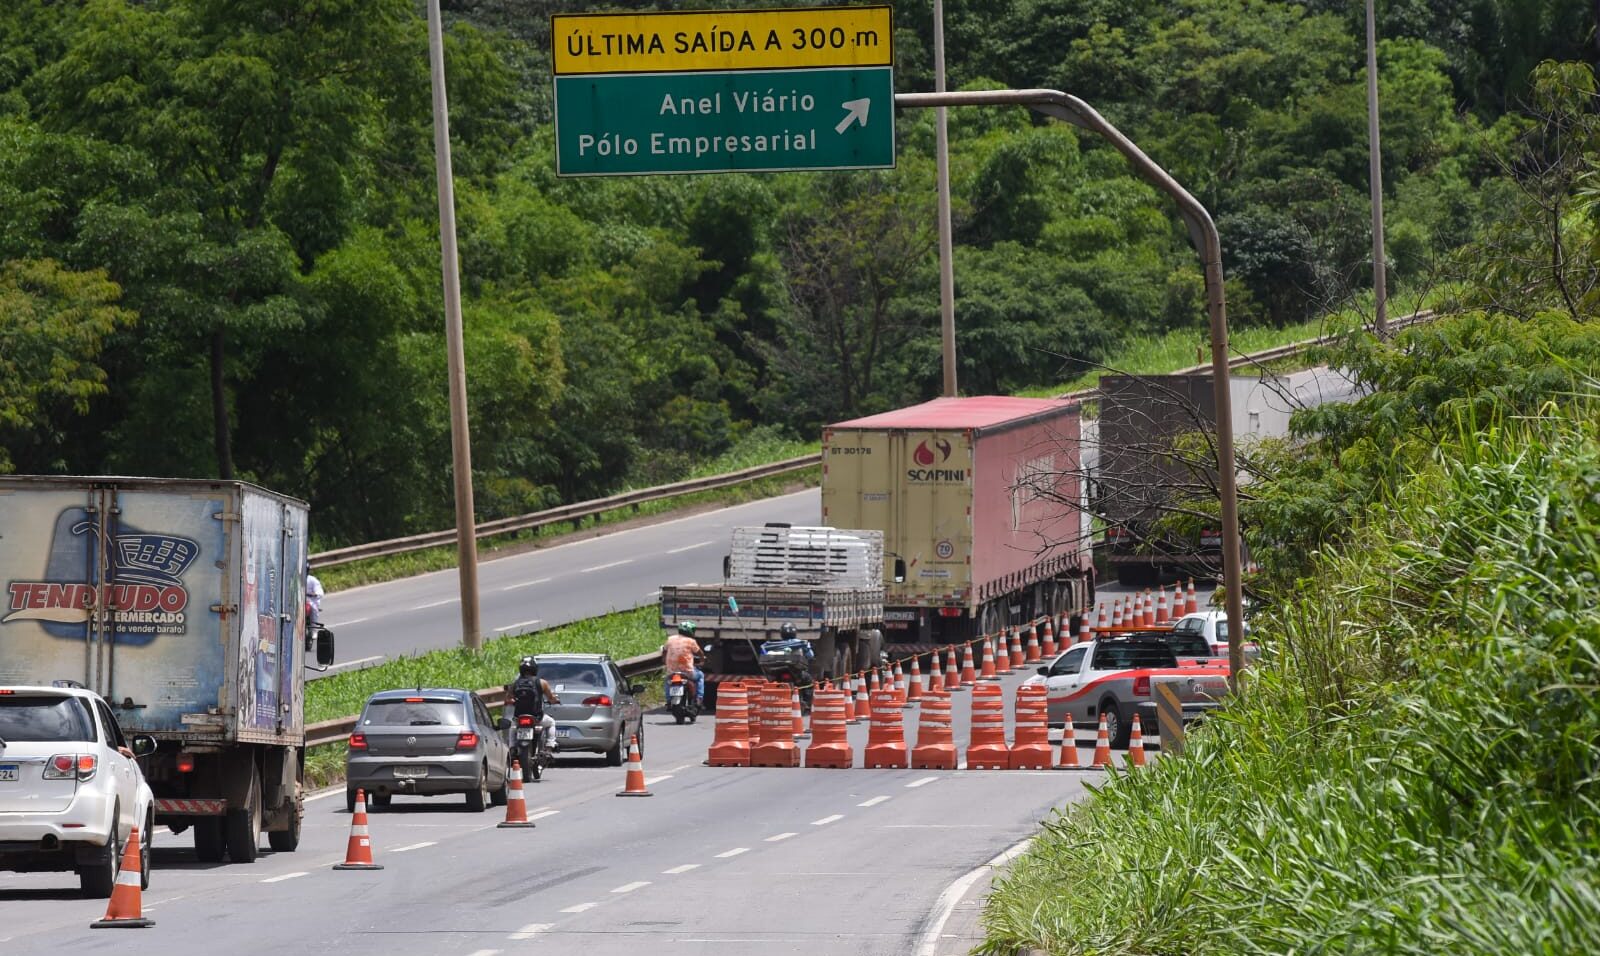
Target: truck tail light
(71, 767)
(467, 741)
(1141, 686)
(358, 741)
(949, 612)
(186, 763)
(599, 700)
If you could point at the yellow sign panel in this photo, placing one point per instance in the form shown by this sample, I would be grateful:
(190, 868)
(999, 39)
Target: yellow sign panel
(726, 40)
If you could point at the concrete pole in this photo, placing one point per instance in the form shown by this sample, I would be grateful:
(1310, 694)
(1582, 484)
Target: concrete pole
(1203, 232)
(1375, 174)
(460, 436)
(947, 276)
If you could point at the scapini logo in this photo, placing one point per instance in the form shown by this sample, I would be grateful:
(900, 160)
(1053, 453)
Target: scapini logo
(924, 456)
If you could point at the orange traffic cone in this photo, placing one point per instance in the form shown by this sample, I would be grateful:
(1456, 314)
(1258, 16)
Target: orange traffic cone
(969, 675)
(634, 784)
(988, 672)
(123, 911)
(952, 671)
(1136, 744)
(1030, 650)
(914, 682)
(1191, 604)
(1047, 641)
(1102, 744)
(358, 852)
(1069, 747)
(516, 806)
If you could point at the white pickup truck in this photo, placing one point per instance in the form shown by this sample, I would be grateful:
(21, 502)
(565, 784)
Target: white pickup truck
(1114, 676)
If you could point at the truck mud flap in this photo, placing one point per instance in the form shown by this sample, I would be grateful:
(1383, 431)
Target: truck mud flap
(199, 807)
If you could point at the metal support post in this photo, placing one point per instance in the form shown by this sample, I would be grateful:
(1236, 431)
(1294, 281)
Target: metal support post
(947, 279)
(1375, 174)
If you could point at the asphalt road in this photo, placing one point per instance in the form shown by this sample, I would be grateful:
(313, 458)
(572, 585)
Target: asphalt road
(717, 861)
(550, 586)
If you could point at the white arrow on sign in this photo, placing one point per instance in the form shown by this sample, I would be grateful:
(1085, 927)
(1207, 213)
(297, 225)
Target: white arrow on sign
(857, 110)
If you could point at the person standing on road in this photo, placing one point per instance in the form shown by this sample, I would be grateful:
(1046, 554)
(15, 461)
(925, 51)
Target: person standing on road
(313, 599)
(682, 653)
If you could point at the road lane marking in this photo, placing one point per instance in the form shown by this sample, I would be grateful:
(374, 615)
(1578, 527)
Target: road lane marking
(781, 836)
(580, 907)
(648, 781)
(685, 766)
(630, 887)
(540, 816)
(602, 567)
(733, 852)
(827, 820)
(873, 802)
(530, 931)
(286, 876)
(921, 783)
(952, 896)
(484, 952)
(359, 660)
(354, 620)
(526, 584)
(680, 869)
(414, 846)
(424, 607)
(689, 547)
(512, 627)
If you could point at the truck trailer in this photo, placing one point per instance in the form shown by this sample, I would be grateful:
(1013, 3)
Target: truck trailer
(981, 500)
(182, 603)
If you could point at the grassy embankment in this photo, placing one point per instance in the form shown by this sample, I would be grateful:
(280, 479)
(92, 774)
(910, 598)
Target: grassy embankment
(1414, 768)
(622, 635)
(760, 451)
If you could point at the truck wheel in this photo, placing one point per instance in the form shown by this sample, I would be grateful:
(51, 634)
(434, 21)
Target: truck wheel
(287, 841)
(97, 879)
(1117, 728)
(242, 827)
(208, 839)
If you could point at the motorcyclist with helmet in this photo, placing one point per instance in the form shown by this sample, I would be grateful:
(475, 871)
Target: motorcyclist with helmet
(528, 695)
(682, 653)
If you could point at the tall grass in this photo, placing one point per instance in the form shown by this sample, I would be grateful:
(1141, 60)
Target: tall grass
(1413, 768)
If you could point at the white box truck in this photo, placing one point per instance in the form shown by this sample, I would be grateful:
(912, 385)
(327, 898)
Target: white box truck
(182, 603)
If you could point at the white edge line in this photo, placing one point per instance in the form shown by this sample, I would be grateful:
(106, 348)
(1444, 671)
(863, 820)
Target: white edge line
(512, 627)
(689, 547)
(424, 607)
(608, 565)
(286, 876)
(540, 816)
(650, 780)
(354, 620)
(359, 660)
(569, 544)
(414, 846)
(525, 584)
(952, 895)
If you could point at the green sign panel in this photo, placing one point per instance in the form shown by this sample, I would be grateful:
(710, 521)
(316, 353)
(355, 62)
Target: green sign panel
(718, 122)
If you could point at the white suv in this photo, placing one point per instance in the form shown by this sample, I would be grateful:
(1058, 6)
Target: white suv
(69, 791)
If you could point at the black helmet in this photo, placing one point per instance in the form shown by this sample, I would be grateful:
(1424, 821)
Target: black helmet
(787, 631)
(528, 667)
(686, 629)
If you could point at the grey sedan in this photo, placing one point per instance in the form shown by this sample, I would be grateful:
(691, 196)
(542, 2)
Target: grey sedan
(426, 742)
(599, 709)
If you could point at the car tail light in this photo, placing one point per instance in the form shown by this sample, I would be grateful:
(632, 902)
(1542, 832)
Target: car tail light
(186, 763)
(599, 700)
(1141, 687)
(71, 767)
(524, 720)
(358, 741)
(467, 741)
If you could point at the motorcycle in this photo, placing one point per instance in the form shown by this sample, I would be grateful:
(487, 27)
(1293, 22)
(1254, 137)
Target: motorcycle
(529, 747)
(789, 662)
(681, 698)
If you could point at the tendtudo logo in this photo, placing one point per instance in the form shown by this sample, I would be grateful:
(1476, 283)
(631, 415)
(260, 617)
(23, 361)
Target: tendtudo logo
(924, 456)
(145, 597)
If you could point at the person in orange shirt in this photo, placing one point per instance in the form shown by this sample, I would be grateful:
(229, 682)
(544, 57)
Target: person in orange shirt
(682, 653)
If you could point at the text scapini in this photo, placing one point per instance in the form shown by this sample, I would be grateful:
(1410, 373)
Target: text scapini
(743, 102)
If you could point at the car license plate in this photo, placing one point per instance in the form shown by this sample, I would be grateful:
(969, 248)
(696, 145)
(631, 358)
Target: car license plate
(524, 733)
(566, 732)
(10, 772)
(411, 771)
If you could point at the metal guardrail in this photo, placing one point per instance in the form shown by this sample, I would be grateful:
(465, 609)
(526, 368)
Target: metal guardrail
(333, 731)
(587, 509)
(573, 512)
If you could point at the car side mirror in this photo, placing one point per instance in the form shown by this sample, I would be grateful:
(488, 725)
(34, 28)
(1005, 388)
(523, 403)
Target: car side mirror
(635, 689)
(324, 646)
(899, 570)
(1045, 671)
(504, 723)
(142, 745)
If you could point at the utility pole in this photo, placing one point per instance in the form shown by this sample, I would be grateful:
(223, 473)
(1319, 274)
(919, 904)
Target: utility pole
(941, 148)
(1375, 174)
(460, 436)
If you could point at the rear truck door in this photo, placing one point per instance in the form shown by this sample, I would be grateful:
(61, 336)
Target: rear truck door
(1063, 681)
(51, 566)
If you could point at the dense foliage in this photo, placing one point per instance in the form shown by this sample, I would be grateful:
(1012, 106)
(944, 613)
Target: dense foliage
(1414, 764)
(219, 256)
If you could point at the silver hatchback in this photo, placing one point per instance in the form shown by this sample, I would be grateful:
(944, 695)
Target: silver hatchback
(426, 742)
(599, 709)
